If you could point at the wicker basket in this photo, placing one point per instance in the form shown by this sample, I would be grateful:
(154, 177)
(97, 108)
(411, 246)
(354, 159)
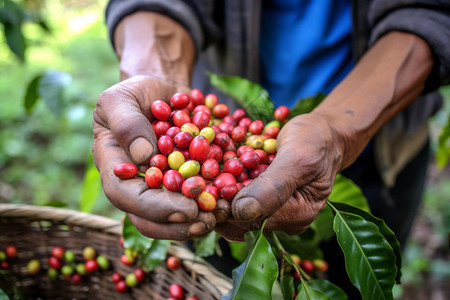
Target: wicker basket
(36, 230)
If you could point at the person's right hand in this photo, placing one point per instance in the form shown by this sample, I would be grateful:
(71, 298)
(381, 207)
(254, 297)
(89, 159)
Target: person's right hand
(123, 133)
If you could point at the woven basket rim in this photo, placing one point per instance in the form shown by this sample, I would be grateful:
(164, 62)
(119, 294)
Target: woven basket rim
(76, 218)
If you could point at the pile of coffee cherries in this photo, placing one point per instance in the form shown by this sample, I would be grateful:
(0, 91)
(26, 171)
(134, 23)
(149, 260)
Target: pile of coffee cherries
(205, 152)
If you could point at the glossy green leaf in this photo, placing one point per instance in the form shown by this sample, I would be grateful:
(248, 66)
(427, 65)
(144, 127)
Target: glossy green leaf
(152, 257)
(239, 251)
(308, 293)
(332, 290)
(3, 295)
(206, 246)
(346, 191)
(51, 89)
(133, 239)
(31, 94)
(255, 277)
(303, 245)
(388, 234)
(369, 259)
(251, 96)
(306, 105)
(15, 40)
(91, 187)
(287, 287)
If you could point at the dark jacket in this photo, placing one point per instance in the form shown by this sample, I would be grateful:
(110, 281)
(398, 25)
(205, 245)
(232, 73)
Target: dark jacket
(226, 35)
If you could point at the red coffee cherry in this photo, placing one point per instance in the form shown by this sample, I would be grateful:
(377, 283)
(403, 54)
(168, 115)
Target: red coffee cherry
(173, 180)
(253, 173)
(281, 113)
(215, 152)
(180, 100)
(210, 168)
(238, 134)
(173, 131)
(221, 110)
(256, 127)
(125, 170)
(250, 159)
(263, 157)
(199, 149)
(182, 140)
(224, 179)
(160, 127)
(320, 265)
(212, 190)
(176, 291)
(197, 97)
(201, 119)
(173, 262)
(54, 263)
(159, 161)
(140, 274)
(229, 155)
(58, 252)
(180, 117)
(91, 265)
(154, 177)
(307, 266)
(245, 122)
(165, 145)
(193, 186)
(228, 192)
(160, 110)
(238, 114)
(121, 286)
(211, 100)
(116, 277)
(233, 166)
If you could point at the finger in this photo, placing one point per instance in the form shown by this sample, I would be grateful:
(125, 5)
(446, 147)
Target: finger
(222, 212)
(230, 232)
(133, 195)
(266, 193)
(175, 231)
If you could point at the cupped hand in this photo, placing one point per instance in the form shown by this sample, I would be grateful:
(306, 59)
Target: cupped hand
(295, 187)
(123, 133)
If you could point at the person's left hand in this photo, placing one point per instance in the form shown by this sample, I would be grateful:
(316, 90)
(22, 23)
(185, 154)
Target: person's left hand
(295, 187)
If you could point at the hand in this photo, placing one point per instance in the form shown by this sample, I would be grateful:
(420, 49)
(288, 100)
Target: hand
(295, 187)
(123, 133)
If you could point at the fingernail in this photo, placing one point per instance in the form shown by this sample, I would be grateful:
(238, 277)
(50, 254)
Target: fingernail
(141, 150)
(177, 217)
(247, 209)
(197, 228)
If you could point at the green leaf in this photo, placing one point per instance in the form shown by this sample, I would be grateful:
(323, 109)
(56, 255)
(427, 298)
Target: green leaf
(306, 105)
(15, 40)
(206, 246)
(133, 239)
(56, 203)
(388, 234)
(3, 295)
(251, 96)
(287, 287)
(347, 192)
(91, 187)
(443, 149)
(307, 292)
(369, 259)
(31, 94)
(332, 290)
(303, 245)
(239, 251)
(51, 89)
(255, 277)
(152, 257)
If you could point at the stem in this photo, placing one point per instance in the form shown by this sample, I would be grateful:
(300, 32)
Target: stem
(287, 257)
(140, 174)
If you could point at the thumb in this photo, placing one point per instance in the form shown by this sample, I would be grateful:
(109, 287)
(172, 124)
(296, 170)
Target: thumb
(266, 193)
(119, 110)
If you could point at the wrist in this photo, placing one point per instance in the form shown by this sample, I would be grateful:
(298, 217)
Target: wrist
(161, 49)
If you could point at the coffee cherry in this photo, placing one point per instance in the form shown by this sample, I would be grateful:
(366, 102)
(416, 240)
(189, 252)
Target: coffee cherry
(254, 141)
(215, 152)
(126, 260)
(272, 132)
(116, 277)
(230, 120)
(89, 253)
(173, 262)
(160, 110)
(81, 269)
(229, 155)
(281, 113)
(202, 108)
(180, 100)
(165, 145)
(67, 270)
(270, 158)
(125, 170)
(54, 263)
(250, 160)
(201, 119)
(206, 201)
(76, 278)
(189, 168)
(191, 128)
(212, 190)
(222, 139)
(103, 262)
(175, 160)
(91, 265)
(211, 100)
(253, 173)
(256, 127)
(121, 286)
(2, 256)
(221, 110)
(197, 97)
(140, 274)
(242, 177)
(296, 259)
(263, 157)
(182, 140)
(228, 192)
(176, 291)
(238, 134)
(226, 127)
(224, 179)
(52, 273)
(173, 131)
(307, 266)
(193, 186)
(270, 146)
(238, 114)
(233, 166)
(180, 117)
(33, 266)
(320, 265)
(210, 168)
(58, 252)
(242, 149)
(160, 127)
(69, 256)
(159, 161)
(131, 280)
(208, 133)
(199, 148)
(245, 122)
(173, 180)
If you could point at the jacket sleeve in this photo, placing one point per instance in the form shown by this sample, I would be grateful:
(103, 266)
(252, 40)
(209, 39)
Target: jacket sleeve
(428, 19)
(189, 14)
